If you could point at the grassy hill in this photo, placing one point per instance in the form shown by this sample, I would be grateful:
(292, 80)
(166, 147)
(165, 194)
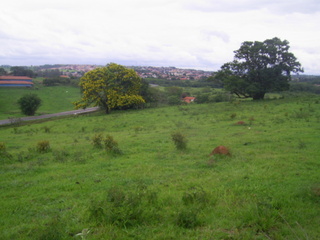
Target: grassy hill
(147, 189)
(54, 99)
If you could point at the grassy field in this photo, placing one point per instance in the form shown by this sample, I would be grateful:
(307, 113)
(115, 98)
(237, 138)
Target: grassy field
(147, 189)
(54, 99)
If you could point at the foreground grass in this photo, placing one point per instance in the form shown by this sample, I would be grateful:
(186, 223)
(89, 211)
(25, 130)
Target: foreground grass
(54, 99)
(268, 189)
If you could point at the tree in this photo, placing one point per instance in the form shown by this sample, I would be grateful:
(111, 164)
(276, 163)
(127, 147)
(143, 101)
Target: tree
(22, 71)
(110, 87)
(29, 104)
(3, 71)
(258, 68)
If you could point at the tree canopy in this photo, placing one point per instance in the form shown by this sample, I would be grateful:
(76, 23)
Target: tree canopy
(29, 104)
(22, 71)
(110, 87)
(3, 71)
(258, 68)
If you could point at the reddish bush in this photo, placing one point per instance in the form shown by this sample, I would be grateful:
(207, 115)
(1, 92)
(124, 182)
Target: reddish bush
(221, 150)
(240, 123)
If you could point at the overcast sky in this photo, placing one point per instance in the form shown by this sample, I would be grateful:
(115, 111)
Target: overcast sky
(200, 34)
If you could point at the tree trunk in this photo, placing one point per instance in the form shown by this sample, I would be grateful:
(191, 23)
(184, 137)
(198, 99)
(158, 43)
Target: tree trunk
(258, 96)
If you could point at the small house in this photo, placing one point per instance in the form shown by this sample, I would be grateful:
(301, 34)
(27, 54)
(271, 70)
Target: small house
(188, 99)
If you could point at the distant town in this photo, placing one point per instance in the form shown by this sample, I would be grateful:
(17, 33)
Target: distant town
(169, 73)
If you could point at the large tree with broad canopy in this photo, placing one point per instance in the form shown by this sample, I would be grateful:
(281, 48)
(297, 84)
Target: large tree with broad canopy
(258, 68)
(113, 86)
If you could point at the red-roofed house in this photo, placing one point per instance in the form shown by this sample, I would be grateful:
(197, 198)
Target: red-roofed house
(15, 81)
(188, 99)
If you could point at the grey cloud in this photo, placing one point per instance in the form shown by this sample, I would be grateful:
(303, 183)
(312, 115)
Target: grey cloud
(218, 34)
(276, 6)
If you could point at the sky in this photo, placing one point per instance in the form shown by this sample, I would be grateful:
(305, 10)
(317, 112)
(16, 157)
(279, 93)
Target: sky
(198, 34)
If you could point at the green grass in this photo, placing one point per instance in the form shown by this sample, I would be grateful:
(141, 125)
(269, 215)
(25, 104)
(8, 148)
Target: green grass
(268, 189)
(54, 99)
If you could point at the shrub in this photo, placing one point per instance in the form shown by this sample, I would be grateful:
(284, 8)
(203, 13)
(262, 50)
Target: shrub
(111, 145)
(173, 100)
(29, 104)
(202, 98)
(43, 146)
(179, 140)
(46, 129)
(97, 140)
(233, 115)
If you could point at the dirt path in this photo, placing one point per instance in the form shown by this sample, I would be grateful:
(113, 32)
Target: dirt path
(74, 112)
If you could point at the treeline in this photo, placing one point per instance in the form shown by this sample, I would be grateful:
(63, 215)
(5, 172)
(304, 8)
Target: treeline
(304, 87)
(313, 79)
(306, 83)
(18, 71)
(56, 81)
(182, 83)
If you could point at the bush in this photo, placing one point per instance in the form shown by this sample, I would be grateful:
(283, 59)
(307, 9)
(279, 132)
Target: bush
(43, 146)
(111, 145)
(179, 140)
(97, 140)
(29, 104)
(173, 100)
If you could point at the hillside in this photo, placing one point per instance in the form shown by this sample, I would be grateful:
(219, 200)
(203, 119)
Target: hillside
(54, 99)
(57, 182)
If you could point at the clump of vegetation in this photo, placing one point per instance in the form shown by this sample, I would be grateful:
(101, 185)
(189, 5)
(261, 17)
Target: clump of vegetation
(179, 140)
(2, 147)
(43, 146)
(233, 115)
(195, 195)
(97, 140)
(3, 151)
(188, 218)
(123, 209)
(111, 145)
(60, 156)
(108, 143)
(46, 129)
(29, 104)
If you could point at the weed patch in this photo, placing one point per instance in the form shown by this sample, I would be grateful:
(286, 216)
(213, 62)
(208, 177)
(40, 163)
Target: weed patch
(111, 145)
(188, 218)
(195, 196)
(97, 140)
(43, 146)
(179, 140)
(124, 209)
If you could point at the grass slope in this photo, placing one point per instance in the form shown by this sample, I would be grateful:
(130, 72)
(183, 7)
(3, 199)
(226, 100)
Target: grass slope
(268, 189)
(54, 99)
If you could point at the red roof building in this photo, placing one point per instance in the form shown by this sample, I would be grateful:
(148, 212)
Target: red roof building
(188, 99)
(15, 81)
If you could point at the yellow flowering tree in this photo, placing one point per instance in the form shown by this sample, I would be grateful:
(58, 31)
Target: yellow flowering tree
(110, 87)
